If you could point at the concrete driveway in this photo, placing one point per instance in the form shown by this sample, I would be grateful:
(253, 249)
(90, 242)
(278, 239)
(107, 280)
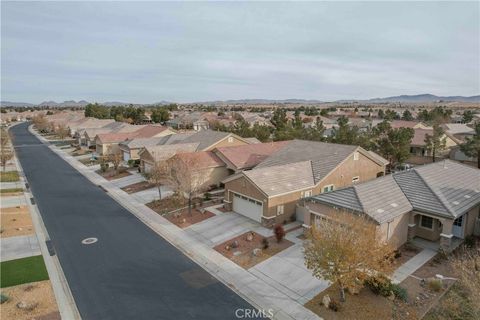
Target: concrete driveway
(128, 180)
(19, 247)
(225, 226)
(13, 201)
(286, 271)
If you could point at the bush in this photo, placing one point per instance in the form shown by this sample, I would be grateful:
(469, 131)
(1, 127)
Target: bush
(3, 298)
(379, 285)
(333, 305)
(207, 196)
(265, 243)
(279, 232)
(104, 166)
(397, 254)
(399, 292)
(470, 241)
(435, 285)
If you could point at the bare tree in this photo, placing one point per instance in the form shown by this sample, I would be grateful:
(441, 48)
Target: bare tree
(40, 122)
(346, 250)
(185, 175)
(62, 131)
(159, 175)
(6, 152)
(116, 160)
(467, 265)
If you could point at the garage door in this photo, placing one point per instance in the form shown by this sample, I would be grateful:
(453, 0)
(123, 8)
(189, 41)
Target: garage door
(147, 167)
(248, 207)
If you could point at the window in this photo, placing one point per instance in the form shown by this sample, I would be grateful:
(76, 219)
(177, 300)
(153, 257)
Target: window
(230, 139)
(355, 156)
(426, 222)
(280, 209)
(328, 188)
(307, 194)
(355, 179)
(458, 222)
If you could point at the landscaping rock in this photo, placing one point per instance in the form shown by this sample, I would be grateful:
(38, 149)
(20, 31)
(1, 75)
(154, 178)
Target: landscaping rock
(227, 247)
(234, 244)
(326, 300)
(257, 252)
(22, 305)
(250, 237)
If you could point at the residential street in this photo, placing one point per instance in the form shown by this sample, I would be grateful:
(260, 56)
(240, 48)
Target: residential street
(131, 272)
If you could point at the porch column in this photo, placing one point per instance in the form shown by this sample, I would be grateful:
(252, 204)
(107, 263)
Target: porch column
(411, 226)
(446, 235)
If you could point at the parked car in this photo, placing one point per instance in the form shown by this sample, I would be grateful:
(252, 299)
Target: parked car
(402, 167)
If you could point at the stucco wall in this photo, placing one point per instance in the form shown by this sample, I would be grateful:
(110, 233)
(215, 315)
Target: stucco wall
(398, 233)
(432, 235)
(473, 214)
(245, 187)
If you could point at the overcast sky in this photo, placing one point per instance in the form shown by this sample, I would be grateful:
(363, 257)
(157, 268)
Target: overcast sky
(147, 52)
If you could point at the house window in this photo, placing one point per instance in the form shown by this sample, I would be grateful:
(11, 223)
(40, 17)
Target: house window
(355, 179)
(307, 194)
(328, 188)
(427, 222)
(230, 139)
(280, 209)
(355, 156)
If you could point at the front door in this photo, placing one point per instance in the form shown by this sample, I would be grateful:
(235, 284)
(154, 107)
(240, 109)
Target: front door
(458, 226)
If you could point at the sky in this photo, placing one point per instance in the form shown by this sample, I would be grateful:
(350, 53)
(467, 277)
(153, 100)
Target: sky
(145, 52)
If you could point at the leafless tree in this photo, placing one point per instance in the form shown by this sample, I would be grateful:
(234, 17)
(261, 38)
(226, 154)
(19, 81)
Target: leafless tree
(6, 152)
(62, 131)
(346, 250)
(116, 160)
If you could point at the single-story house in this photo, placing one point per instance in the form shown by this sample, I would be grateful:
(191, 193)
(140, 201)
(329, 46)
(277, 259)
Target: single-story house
(438, 202)
(418, 146)
(89, 122)
(245, 157)
(205, 140)
(269, 192)
(108, 143)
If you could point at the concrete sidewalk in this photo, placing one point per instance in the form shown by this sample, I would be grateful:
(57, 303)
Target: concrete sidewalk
(19, 247)
(253, 289)
(413, 265)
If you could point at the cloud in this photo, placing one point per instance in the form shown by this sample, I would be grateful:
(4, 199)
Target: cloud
(151, 51)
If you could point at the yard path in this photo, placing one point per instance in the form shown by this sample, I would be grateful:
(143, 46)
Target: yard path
(412, 265)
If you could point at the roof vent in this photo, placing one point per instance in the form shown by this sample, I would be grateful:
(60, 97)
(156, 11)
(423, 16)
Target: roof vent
(467, 196)
(394, 205)
(380, 210)
(455, 202)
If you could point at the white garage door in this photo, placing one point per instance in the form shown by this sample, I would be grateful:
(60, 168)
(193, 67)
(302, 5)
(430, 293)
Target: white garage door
(147, 167)
(248, 207)
(126, 156)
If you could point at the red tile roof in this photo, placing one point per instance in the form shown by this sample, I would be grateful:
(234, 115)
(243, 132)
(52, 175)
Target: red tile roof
(201, 160)
(144, 132)
(419, 136)
(248, 156)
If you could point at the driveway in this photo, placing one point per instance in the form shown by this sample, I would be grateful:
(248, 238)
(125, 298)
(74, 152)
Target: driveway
(130, 272)
(224, 226)
(14, 201)
(128, 180)
(19, 247)
(286, 271)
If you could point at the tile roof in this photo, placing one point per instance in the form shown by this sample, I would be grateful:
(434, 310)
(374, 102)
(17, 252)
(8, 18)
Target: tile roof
(115, 137)
(206, 138)
(145, 131)
(137, 143)
(280, 179)
(403, 124)
(165, 152)
(201, 160)
(419, 136)
(458, 128)
(324, 157)
(149, 131)
(447, 189)
(248, 156)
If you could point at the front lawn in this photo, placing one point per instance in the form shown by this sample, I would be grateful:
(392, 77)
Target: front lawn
(9, 176)
(23, 270)
(241, 248)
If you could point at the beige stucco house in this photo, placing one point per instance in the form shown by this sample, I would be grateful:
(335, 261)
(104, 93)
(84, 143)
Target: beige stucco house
(439, 202)
(269, 193)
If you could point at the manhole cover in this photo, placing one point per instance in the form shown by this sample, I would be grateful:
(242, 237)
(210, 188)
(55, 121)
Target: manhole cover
(89, 240)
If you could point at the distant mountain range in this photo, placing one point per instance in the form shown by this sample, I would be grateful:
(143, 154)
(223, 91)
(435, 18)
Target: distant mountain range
(403, 98)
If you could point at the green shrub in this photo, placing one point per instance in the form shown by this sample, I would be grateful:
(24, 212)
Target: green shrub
(9, 176)
(3, 298)
(207, 196)
(379, 285)
(399, 292)
(435, 285)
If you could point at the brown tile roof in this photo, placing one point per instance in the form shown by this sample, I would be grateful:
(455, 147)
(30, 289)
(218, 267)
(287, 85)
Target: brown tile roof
(403, 124)
(115, 137)
(248, 156)
(150, 131)
(419, 136)
(201, 160)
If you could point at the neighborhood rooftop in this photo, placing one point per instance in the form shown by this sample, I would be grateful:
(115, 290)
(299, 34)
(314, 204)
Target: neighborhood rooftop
(446, 188)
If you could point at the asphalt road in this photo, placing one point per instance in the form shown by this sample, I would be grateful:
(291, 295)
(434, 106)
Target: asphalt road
(131, 272)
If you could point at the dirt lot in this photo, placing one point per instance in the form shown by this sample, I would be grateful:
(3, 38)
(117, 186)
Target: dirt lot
(33, 293)
(243, 253)
(15, 222)
(136, 187)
